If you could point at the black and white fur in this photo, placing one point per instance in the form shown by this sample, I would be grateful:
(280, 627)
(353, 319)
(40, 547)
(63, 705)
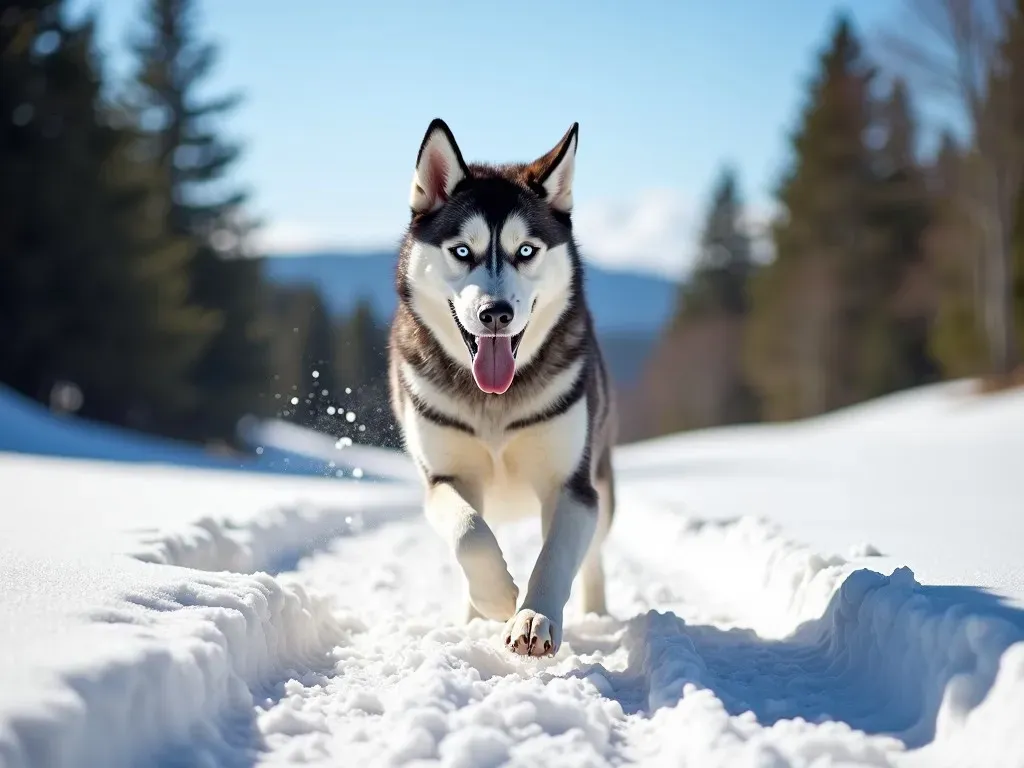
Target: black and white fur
(482, 236)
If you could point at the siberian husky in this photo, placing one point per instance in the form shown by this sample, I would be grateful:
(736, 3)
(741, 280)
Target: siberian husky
(497, 381)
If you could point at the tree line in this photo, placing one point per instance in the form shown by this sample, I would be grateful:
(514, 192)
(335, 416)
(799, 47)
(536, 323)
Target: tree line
(126, 267)
(128, 277)
(336, 380)
(892, 267)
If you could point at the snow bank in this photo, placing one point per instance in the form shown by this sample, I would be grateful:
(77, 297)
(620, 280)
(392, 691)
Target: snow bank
(104, 658)
(759, 577)
(816, 639)
(884, 660)
(118, 664)
(275, 539)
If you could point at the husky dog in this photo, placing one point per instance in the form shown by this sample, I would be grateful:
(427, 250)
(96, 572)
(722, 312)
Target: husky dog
(498, 383)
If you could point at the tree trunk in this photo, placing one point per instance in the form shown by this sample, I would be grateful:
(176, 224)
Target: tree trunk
(998, 271)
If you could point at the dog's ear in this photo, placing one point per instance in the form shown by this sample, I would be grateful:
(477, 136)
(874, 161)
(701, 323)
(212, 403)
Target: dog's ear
(439, 167)
(554, 171)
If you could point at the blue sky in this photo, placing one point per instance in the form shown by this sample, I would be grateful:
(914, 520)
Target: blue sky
(338, 95)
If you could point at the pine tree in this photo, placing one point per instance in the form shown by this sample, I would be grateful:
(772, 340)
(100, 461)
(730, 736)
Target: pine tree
(303, 356)
(92, 295)
(809, 305)
(965, 339)
(957, 339)
(195, 163)
(1001, 132)
(962, 49)
(172, 65)
(894, 344)
(1018, 252)
(719, 280)
(705, 335)
(289, 310)
(168, 334)
(361, 368)
(1013, 52)
(359, 354)
(317, 366)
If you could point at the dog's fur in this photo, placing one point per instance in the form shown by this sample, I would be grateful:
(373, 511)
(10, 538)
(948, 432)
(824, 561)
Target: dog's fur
(544, 444)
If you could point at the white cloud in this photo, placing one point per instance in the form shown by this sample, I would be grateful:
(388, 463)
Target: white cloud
(286, 236)
(293, 236)
(655, 232)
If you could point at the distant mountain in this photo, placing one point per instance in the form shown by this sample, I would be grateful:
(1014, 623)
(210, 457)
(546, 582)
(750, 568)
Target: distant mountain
(621, 301)
(630, 308)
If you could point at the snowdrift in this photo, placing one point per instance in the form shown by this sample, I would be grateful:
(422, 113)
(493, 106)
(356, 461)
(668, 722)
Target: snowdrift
(159, 615)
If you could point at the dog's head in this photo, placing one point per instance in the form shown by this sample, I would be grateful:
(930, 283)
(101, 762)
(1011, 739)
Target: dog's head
(489, 262)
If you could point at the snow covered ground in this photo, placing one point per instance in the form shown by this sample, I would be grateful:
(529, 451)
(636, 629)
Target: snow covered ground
(29, 427)
(844, 591)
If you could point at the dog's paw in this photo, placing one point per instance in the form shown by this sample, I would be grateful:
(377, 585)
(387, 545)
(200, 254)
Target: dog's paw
(529, 633)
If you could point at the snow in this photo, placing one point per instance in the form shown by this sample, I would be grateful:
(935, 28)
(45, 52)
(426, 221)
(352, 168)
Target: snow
(28, 427)
(104, 655)
(843, 591)
(929, 477)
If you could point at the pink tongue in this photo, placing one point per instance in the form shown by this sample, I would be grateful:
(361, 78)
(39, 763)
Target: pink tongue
(494, 366)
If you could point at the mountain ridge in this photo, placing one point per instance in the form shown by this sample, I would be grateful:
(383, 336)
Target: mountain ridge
(630, 308)
(620, 299)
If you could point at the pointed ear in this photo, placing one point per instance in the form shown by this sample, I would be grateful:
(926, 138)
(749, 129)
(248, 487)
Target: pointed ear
(439, 167)
(554, 172)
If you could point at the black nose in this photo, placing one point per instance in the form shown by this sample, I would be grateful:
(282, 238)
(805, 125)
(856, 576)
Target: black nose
(496, 315)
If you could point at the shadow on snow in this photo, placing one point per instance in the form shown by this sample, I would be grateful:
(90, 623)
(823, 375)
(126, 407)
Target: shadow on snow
(879, 659)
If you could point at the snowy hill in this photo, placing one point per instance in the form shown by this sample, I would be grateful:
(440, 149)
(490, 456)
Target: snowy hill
(169, 616)
(28, 427)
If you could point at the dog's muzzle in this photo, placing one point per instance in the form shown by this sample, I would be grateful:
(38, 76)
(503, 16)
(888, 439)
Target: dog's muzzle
(492, 356)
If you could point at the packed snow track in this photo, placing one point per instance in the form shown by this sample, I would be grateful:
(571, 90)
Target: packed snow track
(678, 676)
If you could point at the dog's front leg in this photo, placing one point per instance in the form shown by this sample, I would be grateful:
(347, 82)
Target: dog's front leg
(569, 524)
(489, 584)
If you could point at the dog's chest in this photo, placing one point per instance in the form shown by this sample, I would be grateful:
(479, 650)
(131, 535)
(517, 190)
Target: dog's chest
(525, 465)
(529, 469)
(507, 453)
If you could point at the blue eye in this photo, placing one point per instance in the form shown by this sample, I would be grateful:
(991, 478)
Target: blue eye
(526, 251)
(460, 252)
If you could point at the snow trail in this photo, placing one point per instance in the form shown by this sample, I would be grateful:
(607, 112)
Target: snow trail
(679, 676)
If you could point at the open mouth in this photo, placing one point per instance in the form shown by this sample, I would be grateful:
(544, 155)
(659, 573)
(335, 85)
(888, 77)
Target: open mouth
(493, 357)
(471, 341)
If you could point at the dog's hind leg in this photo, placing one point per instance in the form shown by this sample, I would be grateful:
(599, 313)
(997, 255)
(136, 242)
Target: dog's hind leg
(492, 592)
(592, 583)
